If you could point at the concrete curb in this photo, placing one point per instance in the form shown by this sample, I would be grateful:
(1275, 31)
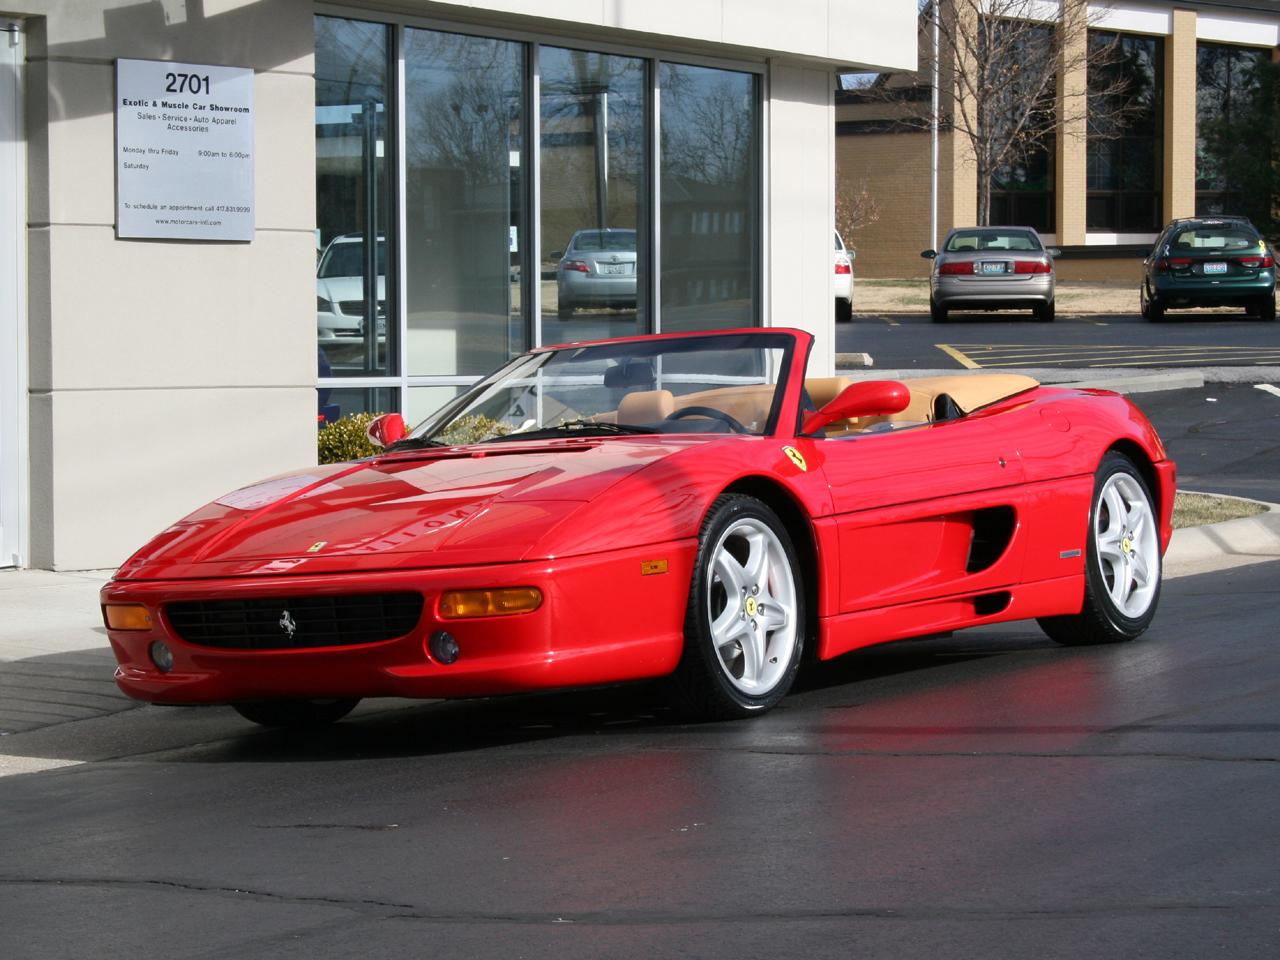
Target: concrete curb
(1246, 540)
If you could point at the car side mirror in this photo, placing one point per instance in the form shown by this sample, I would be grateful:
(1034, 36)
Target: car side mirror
(386, 430)
(870, 398)
(1053, 251)
(929, 254)
(555, 255)
(853, 254)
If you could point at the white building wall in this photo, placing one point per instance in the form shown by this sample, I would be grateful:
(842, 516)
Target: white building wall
(801, 205)
(162, 374)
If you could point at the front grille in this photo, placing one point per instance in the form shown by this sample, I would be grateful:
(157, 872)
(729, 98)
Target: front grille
(264, 624)
(355, 308)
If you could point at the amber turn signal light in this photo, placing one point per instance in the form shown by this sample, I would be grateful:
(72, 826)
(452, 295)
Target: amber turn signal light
(501, 602)
(126, 616)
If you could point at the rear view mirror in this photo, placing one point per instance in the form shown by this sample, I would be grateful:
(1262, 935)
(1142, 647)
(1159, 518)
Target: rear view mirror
(1053, 251)
(386, 430)
(929, 254)
(555, 255)
(871, 398)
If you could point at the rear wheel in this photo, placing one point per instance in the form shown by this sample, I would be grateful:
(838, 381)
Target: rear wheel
(295, 713)
(1265, 308)
(844, 311)
(1151, 309)
(744, 626)
(938, 314)
(1122, 561)
(564, 311)
(1045, 312)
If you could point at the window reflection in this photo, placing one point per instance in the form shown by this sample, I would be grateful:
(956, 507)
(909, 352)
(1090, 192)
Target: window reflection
(1229, 94)
(710, 150)
(353, 197)
(465, 207)
(593, 147)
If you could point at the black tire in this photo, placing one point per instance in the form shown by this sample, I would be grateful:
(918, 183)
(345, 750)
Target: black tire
(938, 314)
(1266, 308)
(564, 311)
(295, 713)
(704, 687)
(844, 311)
(1100, 620)
(1044, 313)
(1154, 311)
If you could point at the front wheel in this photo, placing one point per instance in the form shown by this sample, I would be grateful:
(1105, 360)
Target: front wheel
(295, 713)
(745, 622)
(1122, 561)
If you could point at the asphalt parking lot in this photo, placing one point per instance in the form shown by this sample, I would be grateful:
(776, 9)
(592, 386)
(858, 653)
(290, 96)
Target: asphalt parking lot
(1001, 341)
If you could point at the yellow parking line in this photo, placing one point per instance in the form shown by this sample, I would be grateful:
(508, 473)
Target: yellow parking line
(957, 356)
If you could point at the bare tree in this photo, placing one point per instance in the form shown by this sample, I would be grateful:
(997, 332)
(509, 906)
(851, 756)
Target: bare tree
(1011, 80)
(856, 208)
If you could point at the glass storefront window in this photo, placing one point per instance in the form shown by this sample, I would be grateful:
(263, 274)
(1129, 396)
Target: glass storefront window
(485, 273)
(465, 208)
(354, 291)
(710, 192)
(594, 140)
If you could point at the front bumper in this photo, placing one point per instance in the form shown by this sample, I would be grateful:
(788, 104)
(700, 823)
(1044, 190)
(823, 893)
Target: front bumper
(601, 621)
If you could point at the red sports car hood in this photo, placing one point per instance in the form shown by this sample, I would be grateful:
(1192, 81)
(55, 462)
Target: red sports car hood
(466, 505)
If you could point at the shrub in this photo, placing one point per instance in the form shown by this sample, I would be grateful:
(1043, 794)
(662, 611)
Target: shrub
(346, 439)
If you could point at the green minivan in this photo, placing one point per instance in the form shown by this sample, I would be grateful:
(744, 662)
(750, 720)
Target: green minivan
(1210, 262)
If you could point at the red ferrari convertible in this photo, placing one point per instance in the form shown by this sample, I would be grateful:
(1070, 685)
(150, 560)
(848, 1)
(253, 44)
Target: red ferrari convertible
(688, 506)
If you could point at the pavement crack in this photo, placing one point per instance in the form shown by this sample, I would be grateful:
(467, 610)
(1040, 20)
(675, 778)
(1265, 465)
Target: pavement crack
(361, 905)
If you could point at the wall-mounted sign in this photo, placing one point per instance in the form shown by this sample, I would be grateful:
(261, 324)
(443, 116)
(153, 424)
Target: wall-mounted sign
(184, 151)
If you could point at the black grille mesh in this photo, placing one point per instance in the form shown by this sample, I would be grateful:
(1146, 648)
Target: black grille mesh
(261, 623)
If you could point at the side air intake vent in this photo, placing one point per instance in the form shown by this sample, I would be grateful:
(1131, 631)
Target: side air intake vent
(992, 530)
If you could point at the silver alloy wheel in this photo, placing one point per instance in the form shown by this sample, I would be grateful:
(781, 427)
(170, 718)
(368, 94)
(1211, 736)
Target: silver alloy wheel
(751, 606)
(1127, 543)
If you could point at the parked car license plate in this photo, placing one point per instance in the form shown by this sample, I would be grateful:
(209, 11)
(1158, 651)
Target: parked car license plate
(992, 266)
(615, 268)
(1215, 267)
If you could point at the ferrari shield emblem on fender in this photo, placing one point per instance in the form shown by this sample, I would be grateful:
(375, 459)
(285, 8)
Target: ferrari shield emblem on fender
(317, 546)
(796, 457)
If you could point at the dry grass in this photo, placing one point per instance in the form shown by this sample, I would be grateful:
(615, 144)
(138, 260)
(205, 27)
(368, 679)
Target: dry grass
(1195, 509)
(1073, 296)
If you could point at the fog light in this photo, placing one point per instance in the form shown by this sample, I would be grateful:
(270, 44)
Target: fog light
(499, 602)
(442, 647)
(126, 616)
(162, 657)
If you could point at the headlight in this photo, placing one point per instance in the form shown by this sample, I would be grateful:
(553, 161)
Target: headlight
(323, 305)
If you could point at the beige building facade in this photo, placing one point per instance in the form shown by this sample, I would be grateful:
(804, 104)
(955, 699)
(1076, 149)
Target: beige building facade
(144, 377)
(1195, 52)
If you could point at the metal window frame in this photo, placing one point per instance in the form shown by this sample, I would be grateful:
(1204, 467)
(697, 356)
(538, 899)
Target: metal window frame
(533, 41)
(14, 413)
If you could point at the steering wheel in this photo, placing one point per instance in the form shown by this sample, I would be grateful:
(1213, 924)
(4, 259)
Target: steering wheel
(712, 413)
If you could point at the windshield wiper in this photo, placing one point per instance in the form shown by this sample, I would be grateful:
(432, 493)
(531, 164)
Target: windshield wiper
(413, 443)
(574, 428)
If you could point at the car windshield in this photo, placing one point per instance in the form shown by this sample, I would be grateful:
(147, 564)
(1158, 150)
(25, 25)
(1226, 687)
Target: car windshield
(345, 258)
(994, 238)
(725, 383)
(1203, 236)
(610, 240)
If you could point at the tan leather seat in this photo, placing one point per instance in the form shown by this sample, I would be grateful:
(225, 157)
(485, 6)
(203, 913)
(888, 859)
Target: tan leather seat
(646, 406)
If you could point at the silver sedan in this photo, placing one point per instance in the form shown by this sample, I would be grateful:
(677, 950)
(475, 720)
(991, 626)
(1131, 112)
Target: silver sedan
(992, 268)
(596, 269)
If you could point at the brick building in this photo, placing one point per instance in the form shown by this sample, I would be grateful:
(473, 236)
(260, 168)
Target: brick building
(1103, 201)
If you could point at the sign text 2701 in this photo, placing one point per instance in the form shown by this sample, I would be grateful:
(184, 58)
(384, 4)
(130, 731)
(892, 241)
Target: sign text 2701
(186, 83)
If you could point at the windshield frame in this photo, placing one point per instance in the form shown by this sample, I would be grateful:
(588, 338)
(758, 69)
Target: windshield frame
(761, 338)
